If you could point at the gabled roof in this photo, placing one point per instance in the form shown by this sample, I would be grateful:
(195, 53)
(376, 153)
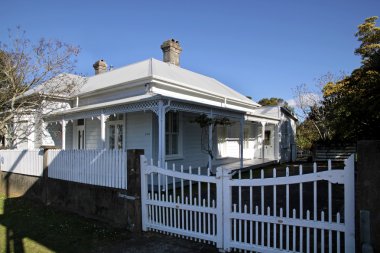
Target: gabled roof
(153, 69)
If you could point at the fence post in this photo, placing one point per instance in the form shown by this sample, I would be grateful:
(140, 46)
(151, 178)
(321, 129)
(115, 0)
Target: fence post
(45, 176)
(134, 184)
(144, 211)
(349, 200)
(223, 198)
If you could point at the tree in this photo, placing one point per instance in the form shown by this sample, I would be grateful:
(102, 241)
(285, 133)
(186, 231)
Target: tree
(352, 104)
(32, 81)
(306, 135)
(205, 122)
(275, 102)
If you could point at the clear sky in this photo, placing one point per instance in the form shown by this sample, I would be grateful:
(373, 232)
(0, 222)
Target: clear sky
(260, 48)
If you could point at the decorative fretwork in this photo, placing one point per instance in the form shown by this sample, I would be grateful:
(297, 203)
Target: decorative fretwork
(151, 105)
(179, 106)
(135, 107)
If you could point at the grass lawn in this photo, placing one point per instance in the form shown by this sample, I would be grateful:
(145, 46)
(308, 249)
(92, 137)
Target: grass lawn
(26, 226)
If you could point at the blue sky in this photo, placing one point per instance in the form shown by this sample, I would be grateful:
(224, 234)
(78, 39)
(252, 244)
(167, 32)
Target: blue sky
(259, 48)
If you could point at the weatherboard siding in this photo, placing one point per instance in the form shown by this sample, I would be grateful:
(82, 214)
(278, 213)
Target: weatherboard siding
(139, 132)
(92, 133)
(192, 154)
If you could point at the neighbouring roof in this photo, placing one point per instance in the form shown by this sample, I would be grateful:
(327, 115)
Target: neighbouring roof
(157, 70)
(62, 85)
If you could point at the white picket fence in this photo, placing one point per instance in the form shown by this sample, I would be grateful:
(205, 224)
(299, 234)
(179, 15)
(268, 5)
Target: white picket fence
(26, 162)
(264, 214)
(185, 211)
(96, 167)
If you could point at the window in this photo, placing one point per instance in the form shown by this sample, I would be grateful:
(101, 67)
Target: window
(115, 131)
(267, 137)
(172, 137)
(80, 134)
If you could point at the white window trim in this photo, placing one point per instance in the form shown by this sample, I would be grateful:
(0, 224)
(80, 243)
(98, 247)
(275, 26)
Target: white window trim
(180, 141)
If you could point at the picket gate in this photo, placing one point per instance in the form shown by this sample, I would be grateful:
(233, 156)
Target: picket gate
(292, 213)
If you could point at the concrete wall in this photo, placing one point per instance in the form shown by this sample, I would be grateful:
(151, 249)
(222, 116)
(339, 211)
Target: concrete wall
(101, 203)
(118, 207)
(368, 180)
(14, 185)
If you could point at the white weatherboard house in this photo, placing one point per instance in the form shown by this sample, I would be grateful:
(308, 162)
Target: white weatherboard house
(152, 104)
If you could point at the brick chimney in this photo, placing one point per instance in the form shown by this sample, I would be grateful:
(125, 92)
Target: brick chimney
(171, 50)
(100, 67)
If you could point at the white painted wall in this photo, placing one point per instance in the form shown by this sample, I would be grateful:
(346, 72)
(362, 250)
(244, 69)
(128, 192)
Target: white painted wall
(69, 135)
(192, 154)
(192, 151)
(139, 132)
(271, 111)
(92, 133)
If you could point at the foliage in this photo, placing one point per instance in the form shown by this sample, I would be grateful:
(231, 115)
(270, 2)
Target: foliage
(347, 108)
(352, 104)
(275, 102)
(31, 74)
(313, 125)
(204, 122)
(306, 135)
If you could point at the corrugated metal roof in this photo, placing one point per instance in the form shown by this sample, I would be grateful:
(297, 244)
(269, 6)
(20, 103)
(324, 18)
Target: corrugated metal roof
(156, 69)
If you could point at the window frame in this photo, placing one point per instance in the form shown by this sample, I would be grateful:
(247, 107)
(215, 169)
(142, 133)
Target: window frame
(179, 154)
(115, 120)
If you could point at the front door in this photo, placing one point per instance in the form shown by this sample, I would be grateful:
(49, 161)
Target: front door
(268, 144)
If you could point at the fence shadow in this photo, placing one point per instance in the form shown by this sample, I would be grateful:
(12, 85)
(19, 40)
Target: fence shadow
(26, 221)
(20, 221)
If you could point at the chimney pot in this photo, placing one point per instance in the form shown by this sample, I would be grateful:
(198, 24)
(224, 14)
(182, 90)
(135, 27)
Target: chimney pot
(100, 67)
(171, 50)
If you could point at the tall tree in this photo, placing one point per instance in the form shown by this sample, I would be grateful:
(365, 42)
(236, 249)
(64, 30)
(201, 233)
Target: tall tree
(310, 108)
(31, 75)
(352, 104)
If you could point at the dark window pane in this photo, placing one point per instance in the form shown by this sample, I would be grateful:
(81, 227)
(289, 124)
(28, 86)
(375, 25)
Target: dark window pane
(120, 136)
(111, 138)
(80, 122)
(167, 144)
(174, 144)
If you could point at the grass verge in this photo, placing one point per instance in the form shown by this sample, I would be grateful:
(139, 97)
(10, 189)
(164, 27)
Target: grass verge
(26, 226)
